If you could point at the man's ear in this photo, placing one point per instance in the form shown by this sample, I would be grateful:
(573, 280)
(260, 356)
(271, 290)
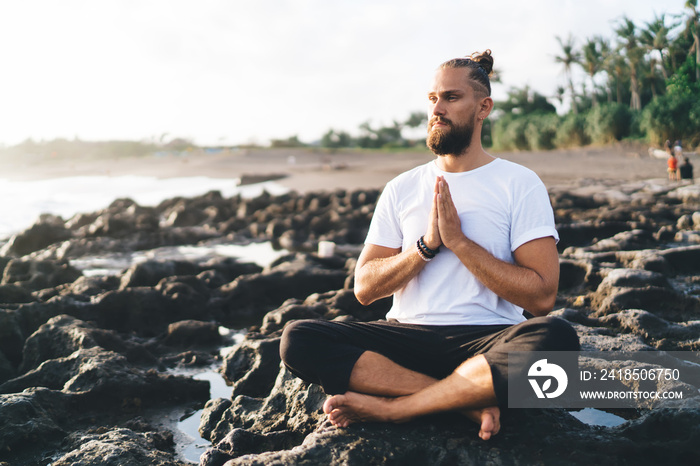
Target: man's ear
(485, 107)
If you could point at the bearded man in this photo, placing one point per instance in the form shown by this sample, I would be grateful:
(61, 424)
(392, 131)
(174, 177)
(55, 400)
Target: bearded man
(466, 244)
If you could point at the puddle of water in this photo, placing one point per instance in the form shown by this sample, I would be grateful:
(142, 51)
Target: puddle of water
(596, 417)
(190, 445)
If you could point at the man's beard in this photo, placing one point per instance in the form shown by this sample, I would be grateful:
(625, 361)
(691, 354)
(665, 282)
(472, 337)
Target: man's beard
(454, 141)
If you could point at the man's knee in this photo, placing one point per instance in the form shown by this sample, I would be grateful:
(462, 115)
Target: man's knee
(296, 338)
(553, 334)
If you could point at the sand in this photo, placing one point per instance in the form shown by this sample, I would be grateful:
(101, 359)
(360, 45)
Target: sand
(314, 169)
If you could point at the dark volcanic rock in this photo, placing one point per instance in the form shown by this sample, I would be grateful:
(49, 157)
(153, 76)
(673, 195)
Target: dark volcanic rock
(48, 230)
(247, 299)
(253, 367)
(193, 333)
(121, 447)
(82, 358)
(37, 275)
(25, 423)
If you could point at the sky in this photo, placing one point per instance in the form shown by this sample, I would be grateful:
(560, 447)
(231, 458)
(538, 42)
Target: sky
(227, 72)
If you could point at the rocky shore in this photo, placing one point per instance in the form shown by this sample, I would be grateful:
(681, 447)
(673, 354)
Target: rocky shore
(88, 364)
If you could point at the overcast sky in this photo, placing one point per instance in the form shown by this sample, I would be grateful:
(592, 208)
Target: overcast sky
(229, 72)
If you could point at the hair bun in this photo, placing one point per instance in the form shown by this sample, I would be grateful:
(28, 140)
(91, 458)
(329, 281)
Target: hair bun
(484, 59)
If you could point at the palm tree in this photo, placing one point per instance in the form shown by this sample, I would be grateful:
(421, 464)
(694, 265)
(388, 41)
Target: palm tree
(614, 66)
(627, 33)
(655, 38)
(559, 95)
(568, 58)
(593, 62)
(692, 25)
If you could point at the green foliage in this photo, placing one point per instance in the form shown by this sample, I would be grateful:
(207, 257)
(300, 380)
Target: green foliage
(523, 101)
(541, 131)
(535, 131)
(335, 140)
(572, 131)
(674, 116)
(607, 123)
(682, 82)
(509, 133)
(290, 142)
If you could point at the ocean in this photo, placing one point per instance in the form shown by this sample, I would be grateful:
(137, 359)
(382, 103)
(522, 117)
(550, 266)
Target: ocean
(24, 201)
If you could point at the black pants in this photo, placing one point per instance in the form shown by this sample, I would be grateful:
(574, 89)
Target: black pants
(324, 352)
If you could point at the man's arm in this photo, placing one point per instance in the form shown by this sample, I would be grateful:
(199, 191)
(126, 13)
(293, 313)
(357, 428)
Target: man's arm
(382, 271)
(530, 283)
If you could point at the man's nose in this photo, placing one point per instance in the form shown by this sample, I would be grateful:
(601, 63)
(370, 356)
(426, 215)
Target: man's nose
(438, 108)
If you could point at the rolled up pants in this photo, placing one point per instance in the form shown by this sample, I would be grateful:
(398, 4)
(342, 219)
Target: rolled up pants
(325, 353)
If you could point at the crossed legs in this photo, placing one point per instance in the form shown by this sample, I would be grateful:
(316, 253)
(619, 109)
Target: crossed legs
(381, 390)
(385, 371)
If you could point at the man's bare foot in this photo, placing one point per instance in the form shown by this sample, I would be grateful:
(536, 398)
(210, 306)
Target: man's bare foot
(488, 418)
(351, 407)
(343, 410)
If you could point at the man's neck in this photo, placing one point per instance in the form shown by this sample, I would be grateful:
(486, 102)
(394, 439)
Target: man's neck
(472, 158)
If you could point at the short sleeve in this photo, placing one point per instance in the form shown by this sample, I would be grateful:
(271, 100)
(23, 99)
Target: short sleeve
(385, 227)
(533, 217)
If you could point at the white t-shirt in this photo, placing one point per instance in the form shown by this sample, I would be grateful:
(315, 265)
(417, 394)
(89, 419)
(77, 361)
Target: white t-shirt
(502, 206)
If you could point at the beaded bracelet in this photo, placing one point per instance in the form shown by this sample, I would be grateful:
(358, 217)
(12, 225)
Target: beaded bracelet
(422, 254)
(426, 249)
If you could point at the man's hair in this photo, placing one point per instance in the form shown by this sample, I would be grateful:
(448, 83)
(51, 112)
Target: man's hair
(480, 67)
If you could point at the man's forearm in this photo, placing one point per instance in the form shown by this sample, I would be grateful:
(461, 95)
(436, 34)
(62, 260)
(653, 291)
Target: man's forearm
(381, 277)
(519, 285)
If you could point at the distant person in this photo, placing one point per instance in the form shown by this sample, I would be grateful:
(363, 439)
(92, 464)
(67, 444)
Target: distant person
(672, 163)
(686, 170)
(668, 147)
(466, 244)
(678, 149)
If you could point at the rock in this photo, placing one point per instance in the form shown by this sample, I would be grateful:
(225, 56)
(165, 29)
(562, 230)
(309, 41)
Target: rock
(11, 337)
(14, 294)
(193, 333)
(144, 311)
(121, 447)
(48, 230)
(59, 337)
(37, 275)
(290, 310)
(253, 367)
(151, 272)
(628, 282)
(247, 299)
(26, 423)
(104, 380)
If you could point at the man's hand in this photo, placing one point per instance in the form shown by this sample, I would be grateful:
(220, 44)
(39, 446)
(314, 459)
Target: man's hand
(432, 236)
(449, 224)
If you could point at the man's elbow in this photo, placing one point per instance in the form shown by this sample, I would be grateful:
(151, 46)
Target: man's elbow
(362, 295)
(543, 305)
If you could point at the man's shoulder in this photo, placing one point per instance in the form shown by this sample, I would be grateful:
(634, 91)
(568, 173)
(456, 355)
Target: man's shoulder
(413, 174)
(515, 172)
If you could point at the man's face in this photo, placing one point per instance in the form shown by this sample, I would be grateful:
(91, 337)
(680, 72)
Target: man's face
(453, 112)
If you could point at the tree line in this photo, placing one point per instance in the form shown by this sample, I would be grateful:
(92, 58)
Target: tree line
(643, 83)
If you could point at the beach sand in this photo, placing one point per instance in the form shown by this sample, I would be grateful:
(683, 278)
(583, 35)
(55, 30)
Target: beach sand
(307, 170)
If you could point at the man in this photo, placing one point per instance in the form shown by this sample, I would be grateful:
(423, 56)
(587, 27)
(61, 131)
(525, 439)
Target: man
(464, 243)
(686, 170)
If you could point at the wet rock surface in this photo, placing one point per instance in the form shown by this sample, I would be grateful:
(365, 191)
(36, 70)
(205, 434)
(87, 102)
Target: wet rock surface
(87, 363)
